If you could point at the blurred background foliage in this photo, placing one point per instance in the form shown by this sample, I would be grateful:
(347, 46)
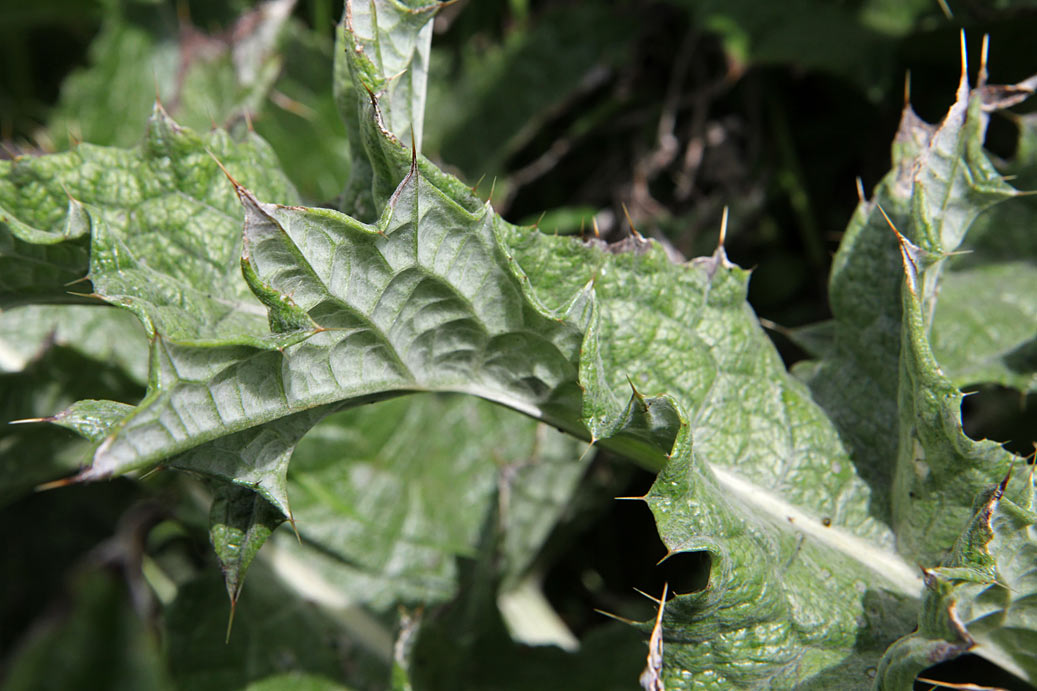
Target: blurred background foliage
(570, 115)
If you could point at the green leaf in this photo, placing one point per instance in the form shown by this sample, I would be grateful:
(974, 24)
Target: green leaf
(939, 470)
(982, 330)
(92, 419)
(240, 521)
(391, 317)
(879, 344)
(982, 599)
(381, 66)
(441, 295)
(870, 384)
(369, 485)
(46, 249)
(126, 205)
(389, 48)
(758, 476)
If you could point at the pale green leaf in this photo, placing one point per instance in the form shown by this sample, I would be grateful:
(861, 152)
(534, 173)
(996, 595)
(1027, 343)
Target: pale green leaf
(369, 486)
(92, 419)
(871, 384)
(166, 201)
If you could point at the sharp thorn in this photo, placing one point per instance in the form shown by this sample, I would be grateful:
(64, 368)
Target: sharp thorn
(964, 59)
(54, 484)
(984, 53)
(630, 222)
(723, 228)
(230, 618)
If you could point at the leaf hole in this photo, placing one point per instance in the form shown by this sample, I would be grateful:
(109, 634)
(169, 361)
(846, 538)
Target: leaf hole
(615, 552)
(974, 670)
(1001, 414)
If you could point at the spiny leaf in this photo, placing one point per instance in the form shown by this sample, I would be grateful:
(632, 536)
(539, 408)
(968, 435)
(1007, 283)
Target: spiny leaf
(441, 294)
(755, 474)
(156, 219)
(240, 521)
(92, 419)
(664, 363)
(941, 180)
(381, 68)
(983, 599)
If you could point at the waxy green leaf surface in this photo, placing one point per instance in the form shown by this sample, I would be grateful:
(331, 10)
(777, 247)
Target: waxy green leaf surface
(815, 497)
